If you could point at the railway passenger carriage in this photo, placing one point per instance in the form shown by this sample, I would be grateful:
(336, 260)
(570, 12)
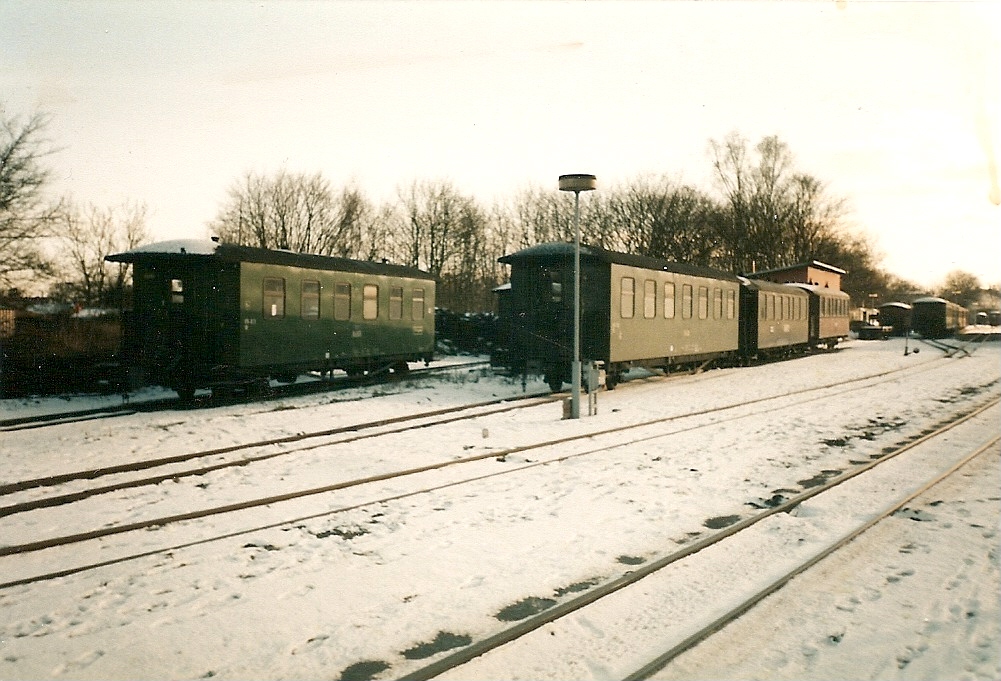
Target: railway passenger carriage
(830, 313)
(774, 318)
(936, 317)
(896, 315)
(211, 315)
(648, 312)
(635, 311)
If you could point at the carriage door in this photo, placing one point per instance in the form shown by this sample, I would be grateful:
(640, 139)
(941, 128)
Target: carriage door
(550, 319)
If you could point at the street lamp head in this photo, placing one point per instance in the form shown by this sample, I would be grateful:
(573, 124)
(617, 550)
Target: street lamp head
(577, 182)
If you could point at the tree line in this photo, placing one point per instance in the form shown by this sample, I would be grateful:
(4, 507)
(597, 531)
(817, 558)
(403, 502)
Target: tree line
(762, 213)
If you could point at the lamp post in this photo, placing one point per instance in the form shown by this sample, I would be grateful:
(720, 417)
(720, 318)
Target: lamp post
(576, 183)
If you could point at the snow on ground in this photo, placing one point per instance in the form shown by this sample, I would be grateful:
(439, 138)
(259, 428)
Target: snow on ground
(356, 581)
(920, 586)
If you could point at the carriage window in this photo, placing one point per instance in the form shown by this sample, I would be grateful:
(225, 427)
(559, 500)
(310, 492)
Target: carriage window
(782, 307)
(274, 297)
(669, 300)
(628, 297)
(649, 299)
(771, 306)
(417, 304)
(717, 303)
(342, 301)
(731, 303)
(555, 285)
(686, 301)
(396, 302)
(310, 300)
(370, 302)
(763, 302)
(176, 291)
(703, 302)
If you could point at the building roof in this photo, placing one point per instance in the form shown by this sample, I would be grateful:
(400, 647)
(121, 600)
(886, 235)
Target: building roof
(816, 264)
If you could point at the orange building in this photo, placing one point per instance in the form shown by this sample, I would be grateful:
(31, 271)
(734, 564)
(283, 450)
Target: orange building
(813, 272)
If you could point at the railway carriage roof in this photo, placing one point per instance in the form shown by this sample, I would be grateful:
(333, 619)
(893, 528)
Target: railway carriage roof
(559, 250)
(765, 285)
(197, 249)
(821, 290)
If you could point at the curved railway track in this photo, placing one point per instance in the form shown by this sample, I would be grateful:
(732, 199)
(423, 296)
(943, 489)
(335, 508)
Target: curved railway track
(401, 424)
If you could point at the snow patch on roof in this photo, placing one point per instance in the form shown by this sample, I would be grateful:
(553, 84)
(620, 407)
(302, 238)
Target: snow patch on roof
(180, 246)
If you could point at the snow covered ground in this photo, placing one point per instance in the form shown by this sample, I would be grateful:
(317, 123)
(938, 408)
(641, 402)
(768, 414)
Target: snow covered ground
(366, 582)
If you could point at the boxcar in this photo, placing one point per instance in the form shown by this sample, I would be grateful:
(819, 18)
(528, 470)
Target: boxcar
(635, 311)
(208, 314)
(937, 317)
(774, 318)
(896, 315)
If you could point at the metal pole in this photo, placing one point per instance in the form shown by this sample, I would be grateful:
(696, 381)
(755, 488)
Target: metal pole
(576, 183)
(575, 367)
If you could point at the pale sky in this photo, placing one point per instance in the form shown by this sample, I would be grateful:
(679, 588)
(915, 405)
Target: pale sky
(895, 105)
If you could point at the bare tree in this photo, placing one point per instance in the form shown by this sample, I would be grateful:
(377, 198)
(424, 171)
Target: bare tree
(812, 218)
(433, 214)
(770, 203)
(656, 217)
(775, 215)
(86, 236)
(25, 216)
(444, 232)
(733, 175)
(961, 287)
(297, 212)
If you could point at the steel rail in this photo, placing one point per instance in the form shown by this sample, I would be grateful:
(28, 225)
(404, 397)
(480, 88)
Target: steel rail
(703, 633)
(57, 500)
(565, 608)
(290, 390)
(96, 534)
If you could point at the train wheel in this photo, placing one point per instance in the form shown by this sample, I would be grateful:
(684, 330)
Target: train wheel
(401, 369)
(185, 393)
(612, 379)
(555, 384)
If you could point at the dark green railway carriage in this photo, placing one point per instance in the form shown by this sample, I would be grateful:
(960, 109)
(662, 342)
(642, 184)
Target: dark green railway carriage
(897, 316)
(635, 311)
(774, 318)
(209, 314)
(937, 317)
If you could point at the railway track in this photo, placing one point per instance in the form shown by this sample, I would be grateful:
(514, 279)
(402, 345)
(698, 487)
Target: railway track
(520, 636)
(394, 555)
(547, 451)
(280, 391)
(966, 345)
(356, 431)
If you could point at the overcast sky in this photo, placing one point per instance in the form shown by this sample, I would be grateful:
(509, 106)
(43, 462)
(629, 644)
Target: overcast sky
(893, 105)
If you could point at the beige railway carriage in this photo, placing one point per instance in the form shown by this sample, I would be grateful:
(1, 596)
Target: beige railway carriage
(635, 311)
